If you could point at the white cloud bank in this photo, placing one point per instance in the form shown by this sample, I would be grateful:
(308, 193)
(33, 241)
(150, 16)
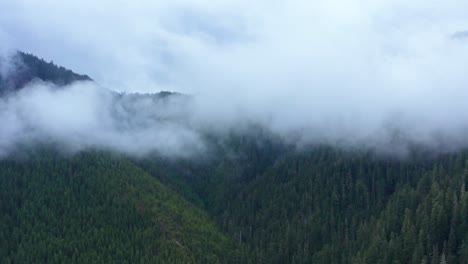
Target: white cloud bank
(83, 115)
(352, 72)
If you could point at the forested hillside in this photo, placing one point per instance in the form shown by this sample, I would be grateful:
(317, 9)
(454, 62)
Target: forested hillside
(248, 198)
(24, 68)
(325, 205)
(100, 208)
(95, 207)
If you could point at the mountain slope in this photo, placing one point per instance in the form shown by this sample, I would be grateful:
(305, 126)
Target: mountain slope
(323, 205)
(25, 68)
(250, 198)
(95, 208)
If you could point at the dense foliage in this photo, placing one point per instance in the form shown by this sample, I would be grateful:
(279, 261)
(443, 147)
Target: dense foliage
(24, 68)
(249, 199)
(95, 208)
(325, 205)
(328, 206)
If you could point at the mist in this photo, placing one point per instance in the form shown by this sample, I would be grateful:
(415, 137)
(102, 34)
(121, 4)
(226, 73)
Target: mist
(85, 116)
(357, 74)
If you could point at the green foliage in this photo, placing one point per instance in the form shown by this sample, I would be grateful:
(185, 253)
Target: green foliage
(28, 67)
(249, 199)
(323, 205)
(270, 204)
(95, 208)
(326, 206)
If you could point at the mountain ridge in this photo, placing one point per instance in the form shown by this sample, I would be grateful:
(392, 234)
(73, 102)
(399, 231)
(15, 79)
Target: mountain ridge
(253, 199)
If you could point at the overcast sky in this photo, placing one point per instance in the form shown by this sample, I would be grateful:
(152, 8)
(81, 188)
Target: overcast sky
(189, 45)
(342, 69)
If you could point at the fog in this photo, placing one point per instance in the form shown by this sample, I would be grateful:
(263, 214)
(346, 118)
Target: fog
(374, 74)
(83, 116)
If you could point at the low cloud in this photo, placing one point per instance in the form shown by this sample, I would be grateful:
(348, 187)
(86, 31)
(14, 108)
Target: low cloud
(83, 116)
(379, 74)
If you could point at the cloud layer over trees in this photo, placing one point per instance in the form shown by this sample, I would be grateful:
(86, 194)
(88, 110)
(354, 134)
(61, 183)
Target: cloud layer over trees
(377, 73)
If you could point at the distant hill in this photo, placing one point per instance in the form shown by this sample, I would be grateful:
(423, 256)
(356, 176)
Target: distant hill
(95, 207)
(251, 199)
(27, 68)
